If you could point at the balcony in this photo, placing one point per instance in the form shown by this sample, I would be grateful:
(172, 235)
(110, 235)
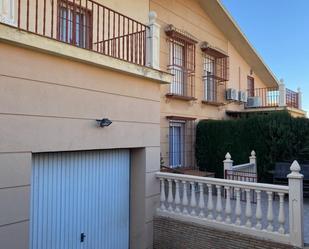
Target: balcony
(271, 97)
(82, 23)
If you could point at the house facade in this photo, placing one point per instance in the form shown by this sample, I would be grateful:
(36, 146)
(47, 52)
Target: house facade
(93, 94)
(217, 75)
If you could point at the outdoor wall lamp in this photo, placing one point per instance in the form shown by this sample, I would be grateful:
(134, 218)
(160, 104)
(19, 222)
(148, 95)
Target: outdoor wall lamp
(104, 122)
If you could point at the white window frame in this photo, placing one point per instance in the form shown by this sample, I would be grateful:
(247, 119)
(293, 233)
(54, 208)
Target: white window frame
(173, 145)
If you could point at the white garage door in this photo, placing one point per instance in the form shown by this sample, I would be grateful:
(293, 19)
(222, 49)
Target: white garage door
(80, 200)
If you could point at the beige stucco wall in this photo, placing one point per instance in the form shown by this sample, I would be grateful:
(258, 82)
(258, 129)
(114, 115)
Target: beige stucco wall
(49, 103)
(189, 16)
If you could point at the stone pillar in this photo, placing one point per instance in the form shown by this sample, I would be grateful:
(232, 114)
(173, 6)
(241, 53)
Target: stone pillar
(227, 163)
(296, 206)
(252, 159)
(153, 42)
(282, 93)
(7, 11)
(299, 96)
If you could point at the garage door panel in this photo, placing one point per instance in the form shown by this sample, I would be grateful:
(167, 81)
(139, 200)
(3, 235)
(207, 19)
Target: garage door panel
(80, 192)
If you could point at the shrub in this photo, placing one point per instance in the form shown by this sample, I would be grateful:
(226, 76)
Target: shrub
(274, 136)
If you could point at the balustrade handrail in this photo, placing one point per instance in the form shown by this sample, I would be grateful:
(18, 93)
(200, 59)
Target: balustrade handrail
(225, 182)
(245, 165)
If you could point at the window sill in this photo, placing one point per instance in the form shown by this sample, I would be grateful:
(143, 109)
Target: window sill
(180, 97)
(213, 103)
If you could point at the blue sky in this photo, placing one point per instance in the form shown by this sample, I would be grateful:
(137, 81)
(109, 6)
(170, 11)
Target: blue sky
(279, 30)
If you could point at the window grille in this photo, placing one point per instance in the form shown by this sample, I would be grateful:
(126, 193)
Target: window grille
(75, 24)
(181, 139)
(215, 75)
(181, 61)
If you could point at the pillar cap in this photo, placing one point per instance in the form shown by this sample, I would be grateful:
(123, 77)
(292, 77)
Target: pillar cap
(152, 17)
(295, 169)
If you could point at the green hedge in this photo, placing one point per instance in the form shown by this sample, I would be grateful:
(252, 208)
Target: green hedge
(274, 136)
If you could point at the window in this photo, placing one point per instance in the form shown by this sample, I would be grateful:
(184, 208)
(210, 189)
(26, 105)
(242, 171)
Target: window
(216, 73)
(181, 142)
(250, 86)
(176, 144)
(177, 68)
(75, 25)
(181, 61)
(209, 81)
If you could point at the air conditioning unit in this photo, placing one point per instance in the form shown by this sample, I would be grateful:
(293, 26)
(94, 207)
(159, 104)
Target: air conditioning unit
(254, 101)
(242, 96)
(231, 94)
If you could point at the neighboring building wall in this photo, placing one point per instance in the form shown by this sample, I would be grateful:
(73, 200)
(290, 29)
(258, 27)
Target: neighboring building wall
(49, 103)
(189, 16)
(173, 234)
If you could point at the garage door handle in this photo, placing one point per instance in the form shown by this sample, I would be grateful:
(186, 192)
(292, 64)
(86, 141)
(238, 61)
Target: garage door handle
(82, 237)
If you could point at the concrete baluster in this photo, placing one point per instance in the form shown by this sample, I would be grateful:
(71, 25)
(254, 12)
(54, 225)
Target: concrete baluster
(258, 213)
(162, 196)
(210, 203)
(248, 209)
(201, 200)
(185, 198)
(219, 204)
(177, 197)
(270, 213)
(193, 199)
(238, 207)
(281, 217)
(228, 209)
(170, 196)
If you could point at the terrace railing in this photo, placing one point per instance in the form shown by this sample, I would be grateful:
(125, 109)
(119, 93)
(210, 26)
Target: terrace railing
(243, 172)
(207, 201)
(263, 97)
(292, 98)
(273, 97)
(83, 23)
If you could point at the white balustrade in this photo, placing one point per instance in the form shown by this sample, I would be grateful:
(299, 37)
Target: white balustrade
(188, 204)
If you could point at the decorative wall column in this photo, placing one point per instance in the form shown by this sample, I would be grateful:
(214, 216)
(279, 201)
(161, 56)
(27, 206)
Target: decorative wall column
(296, 209)
(299, 95)
(7, 12)
(227, 163)
(282, 93)
(153, 42)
